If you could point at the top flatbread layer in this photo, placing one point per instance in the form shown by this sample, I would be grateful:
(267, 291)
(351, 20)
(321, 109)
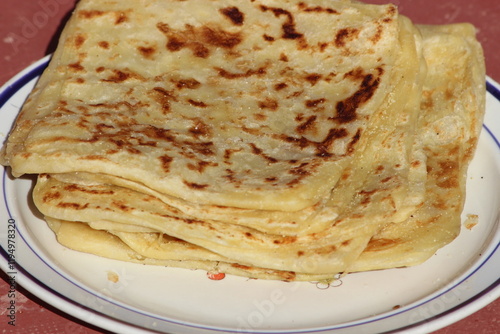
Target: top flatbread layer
(251, 104)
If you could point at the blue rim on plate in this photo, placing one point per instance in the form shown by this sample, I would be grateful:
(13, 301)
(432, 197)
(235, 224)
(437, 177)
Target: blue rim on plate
(31, 73)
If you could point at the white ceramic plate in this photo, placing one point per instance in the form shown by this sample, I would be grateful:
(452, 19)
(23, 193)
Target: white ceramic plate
(460, 279)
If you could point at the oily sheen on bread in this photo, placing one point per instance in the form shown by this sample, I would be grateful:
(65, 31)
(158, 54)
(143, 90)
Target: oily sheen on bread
(285, 140)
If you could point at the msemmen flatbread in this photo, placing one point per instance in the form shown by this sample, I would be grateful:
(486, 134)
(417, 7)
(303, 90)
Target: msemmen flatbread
(290, 140)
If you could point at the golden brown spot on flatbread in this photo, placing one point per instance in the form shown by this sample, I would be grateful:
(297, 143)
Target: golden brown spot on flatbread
(391, 11)
(427, 100)
(280, 86)
(269, 104)
(285, 240)
(295, 94)
(354, 140)
(330, 76)
(316, 9)
(163, 97)
(194, 185)
(322, 46)
(88, 190)
(79, 40)
(121, 105)
(196, 221)
(345, 175)
(230, 176)
(287, 276)
(469, 150)
(355, 74)
(71, 205)
(166, 161)
(387, 179)
(118, 77)
(51, 195)
(454, 151)
(175, 44)
(228, 154)
(447, 175)
(200, 51)
(198, 39)
(200, 129)
(163, 27)
(416, 163)
(121, 17)
(308, 125)
(260, 117)
(199, 104)
(204, 148)
(103, 44)
(93, 157)
(220, 38)
(230, 75)
(202, 165)
(257, 151)
(314, 103)
(122, 206)
(326, 249)
(268, 38)
(90, 14)
(313, 78)
(147, 52)
(187, 83)
(158, 133)
(293, 182)
(288, 27)
(345, 35)
(346, 109)
(366, 196)
(440, 204)
(102, 128)
(346, 242)
(300, 170)
(430, 221)
(76, 67)
(378, 35)
(233, 14)
(448, 95)
(322, 147)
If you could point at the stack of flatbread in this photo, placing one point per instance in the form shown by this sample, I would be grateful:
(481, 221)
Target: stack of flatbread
(272, 139)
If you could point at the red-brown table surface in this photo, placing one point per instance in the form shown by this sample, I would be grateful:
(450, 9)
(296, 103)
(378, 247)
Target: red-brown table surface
(29, 30)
